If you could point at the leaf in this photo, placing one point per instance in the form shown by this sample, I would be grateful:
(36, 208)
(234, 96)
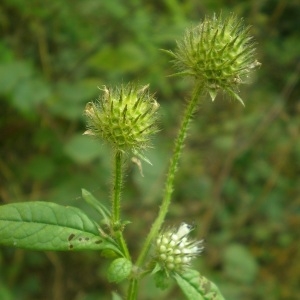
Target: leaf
(162, 281)
(98, 206)
(197, 287)
(119, 270)
(49, 226)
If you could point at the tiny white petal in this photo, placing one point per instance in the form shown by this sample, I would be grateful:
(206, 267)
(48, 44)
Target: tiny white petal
(182, 243)
(183, 230)
(175, 237)
(192, 250)
(184, 239)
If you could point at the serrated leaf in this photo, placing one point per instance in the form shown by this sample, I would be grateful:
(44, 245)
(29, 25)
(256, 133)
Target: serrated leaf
(98, 206)
(49, 226)
(119, 270)
(197, 287)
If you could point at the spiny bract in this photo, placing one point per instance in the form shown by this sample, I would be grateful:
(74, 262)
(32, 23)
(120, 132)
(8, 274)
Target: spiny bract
(218, 53)
(125, 117)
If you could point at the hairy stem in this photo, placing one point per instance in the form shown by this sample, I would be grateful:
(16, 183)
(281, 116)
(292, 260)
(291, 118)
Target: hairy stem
(118, 178)
(116, 203)
(169, 186)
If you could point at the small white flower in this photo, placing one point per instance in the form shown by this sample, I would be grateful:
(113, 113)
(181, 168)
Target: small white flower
(184, 230)
(174, 249)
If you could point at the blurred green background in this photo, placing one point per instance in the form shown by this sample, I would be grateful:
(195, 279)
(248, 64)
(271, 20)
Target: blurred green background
(239, 178)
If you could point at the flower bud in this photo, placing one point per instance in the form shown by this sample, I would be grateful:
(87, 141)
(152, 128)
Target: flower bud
(174, 250)
(218, 54)
(125, 117)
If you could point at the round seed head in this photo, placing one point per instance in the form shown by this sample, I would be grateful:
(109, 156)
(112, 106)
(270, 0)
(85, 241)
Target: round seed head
(125, 117)
(218, 54)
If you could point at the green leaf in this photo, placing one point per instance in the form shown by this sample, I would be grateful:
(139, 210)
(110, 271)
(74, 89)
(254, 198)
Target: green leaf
(197, 287)
(98, 206)
(119, 270)
(162, 281)
(49, 226)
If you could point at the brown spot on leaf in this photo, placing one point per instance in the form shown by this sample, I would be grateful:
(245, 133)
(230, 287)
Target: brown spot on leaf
(71, 246)
(98, 242)
(71, 236)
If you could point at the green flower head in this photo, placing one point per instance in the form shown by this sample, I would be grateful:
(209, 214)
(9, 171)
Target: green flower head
(218, 54)
(124, 117)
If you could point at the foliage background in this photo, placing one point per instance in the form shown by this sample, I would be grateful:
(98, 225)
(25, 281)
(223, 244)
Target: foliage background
(239, 176)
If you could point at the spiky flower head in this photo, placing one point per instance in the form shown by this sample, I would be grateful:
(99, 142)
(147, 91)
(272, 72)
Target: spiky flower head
(175, 250)
(218, 53)
(125, 117)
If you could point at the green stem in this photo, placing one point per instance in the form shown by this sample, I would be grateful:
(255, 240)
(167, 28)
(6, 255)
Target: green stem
(118, 178)
(116, 203)
(132, 290)
(169, 186)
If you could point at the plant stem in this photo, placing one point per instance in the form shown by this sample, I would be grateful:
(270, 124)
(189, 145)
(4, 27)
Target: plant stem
(169, 186)
(118, 178)
(132, 290)
(116, 203)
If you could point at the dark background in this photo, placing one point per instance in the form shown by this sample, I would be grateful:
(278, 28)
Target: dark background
(239, 177)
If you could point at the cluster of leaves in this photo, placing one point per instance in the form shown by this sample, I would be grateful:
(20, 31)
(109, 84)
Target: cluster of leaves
(238, 180)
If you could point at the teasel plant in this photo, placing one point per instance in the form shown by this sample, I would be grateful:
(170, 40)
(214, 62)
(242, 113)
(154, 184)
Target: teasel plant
(219, 56)
(125, 118)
